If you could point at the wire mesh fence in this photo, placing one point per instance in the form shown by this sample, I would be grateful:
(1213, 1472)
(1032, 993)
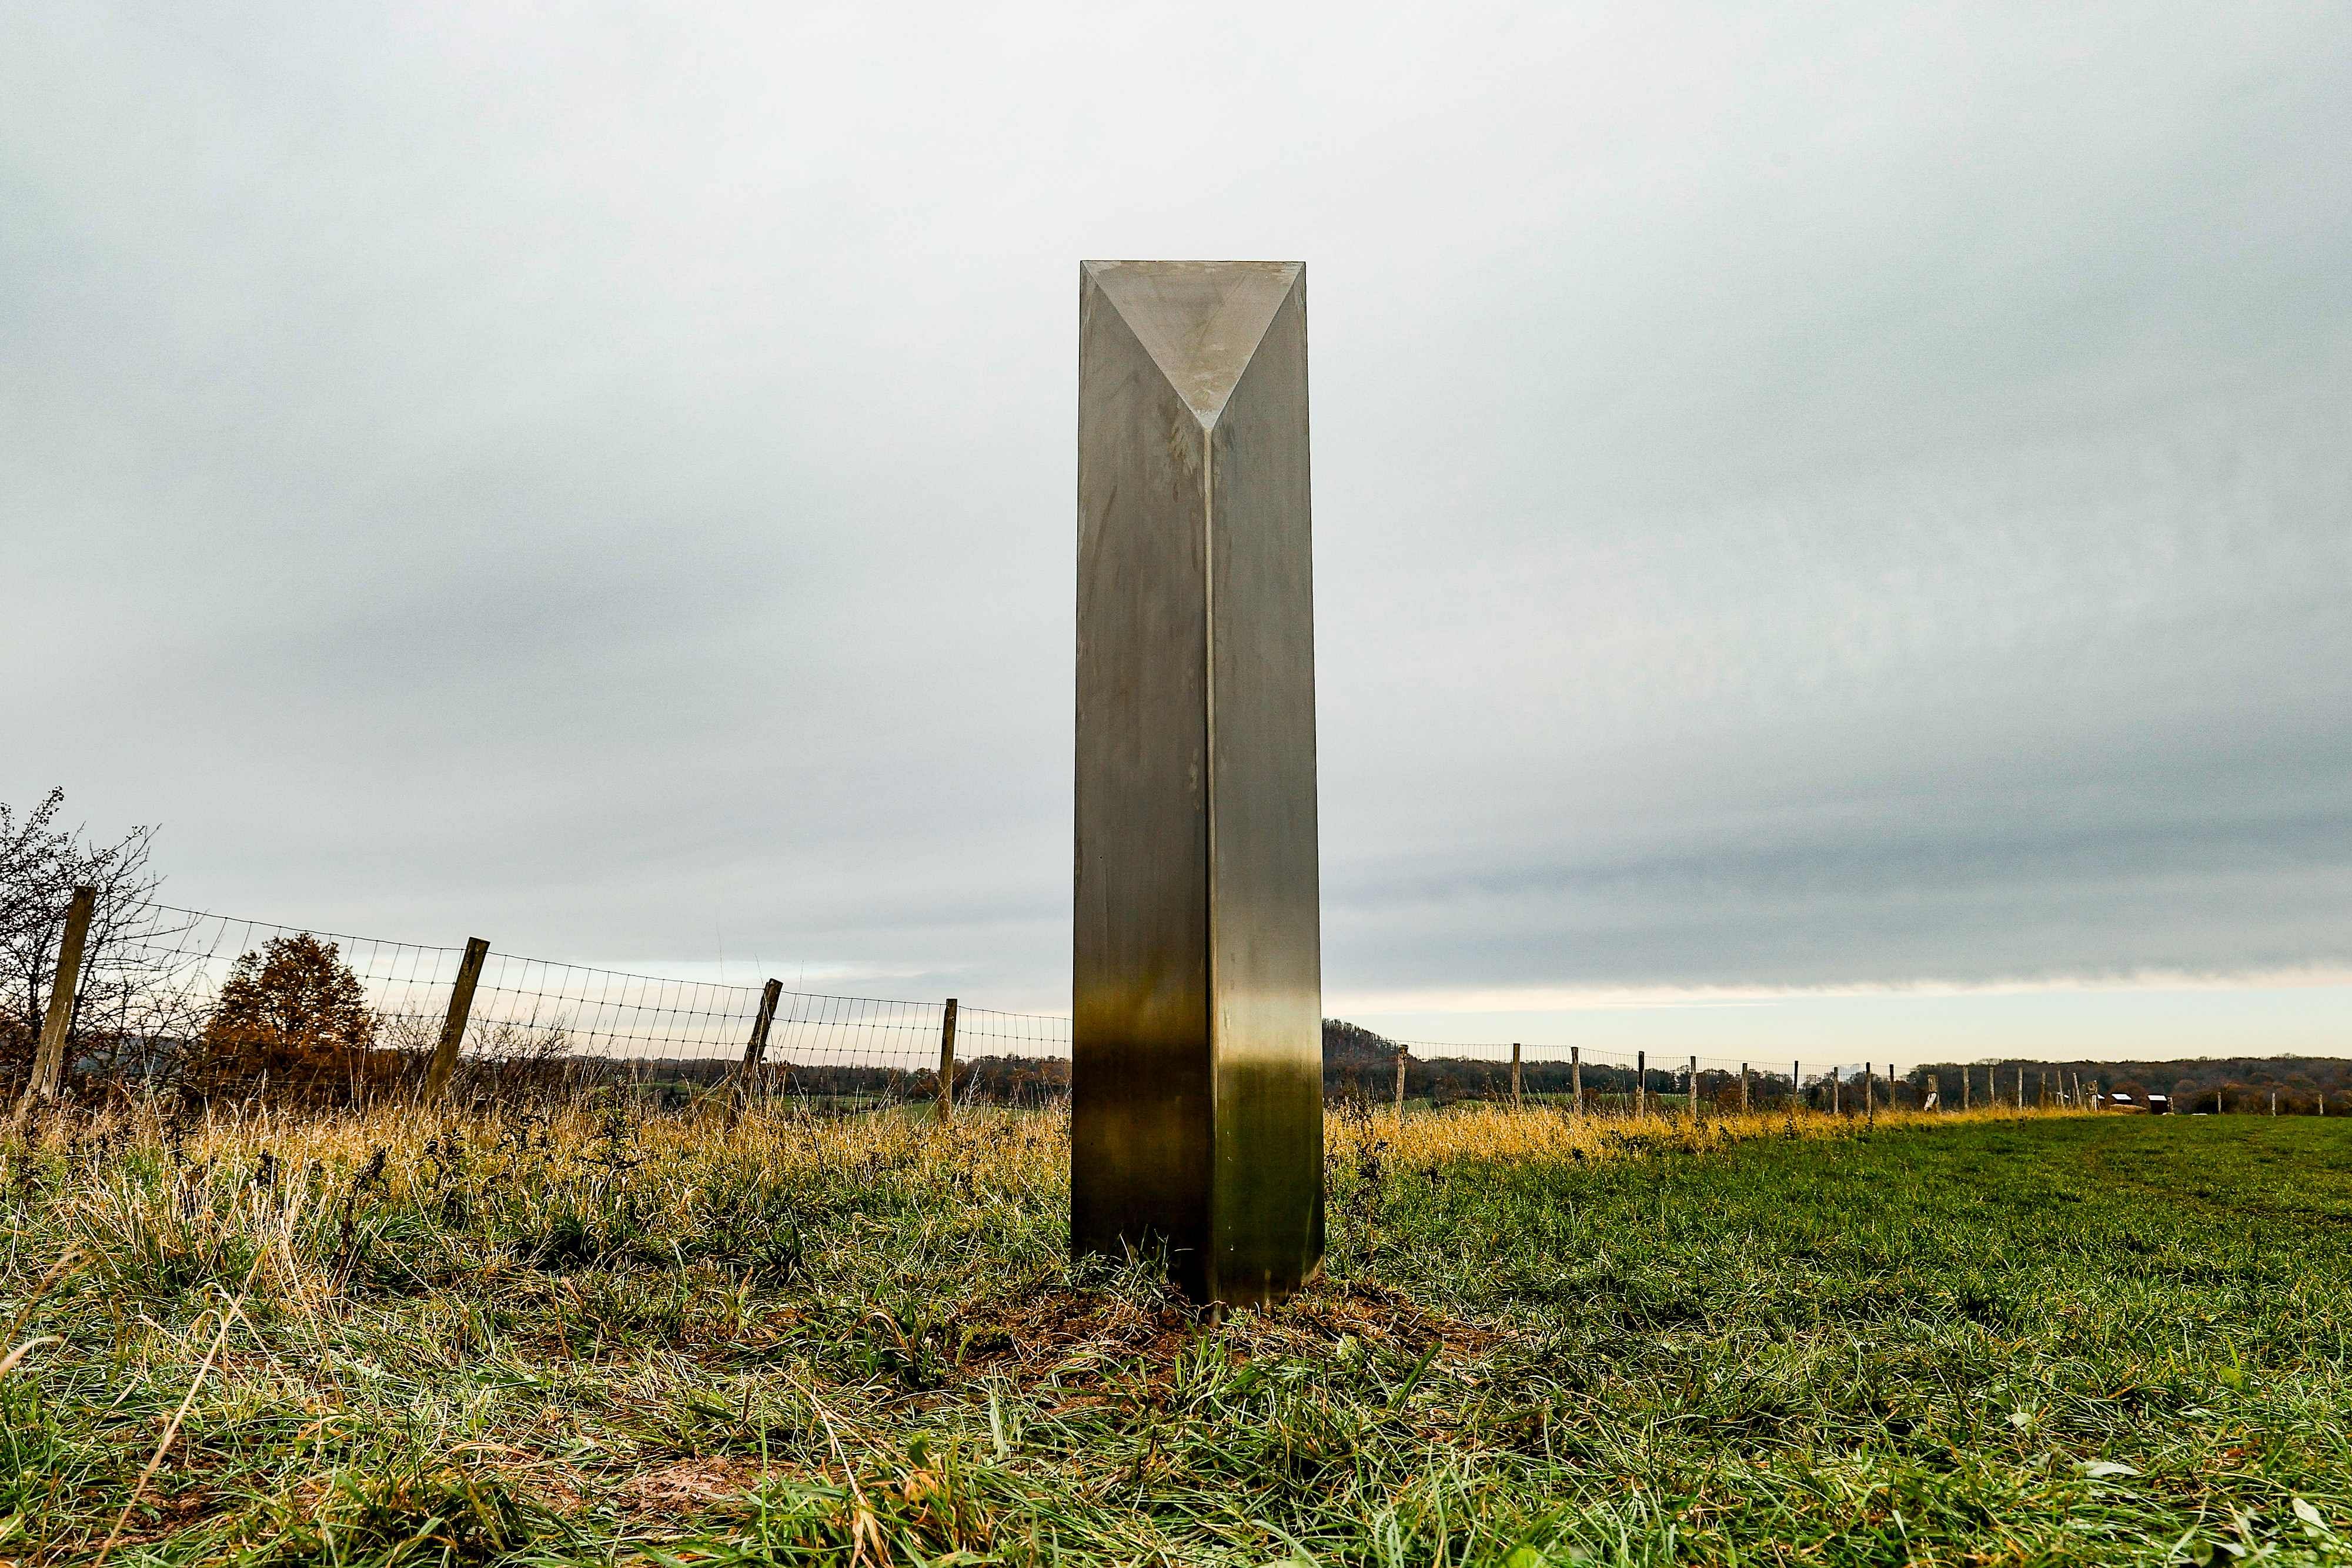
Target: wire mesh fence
(1602, 1080)
(226, 1006)
(219, 1005)
(1020, 1059)
(189, 998)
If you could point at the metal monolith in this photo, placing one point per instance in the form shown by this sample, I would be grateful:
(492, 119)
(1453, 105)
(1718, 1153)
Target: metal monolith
(1197, 1077)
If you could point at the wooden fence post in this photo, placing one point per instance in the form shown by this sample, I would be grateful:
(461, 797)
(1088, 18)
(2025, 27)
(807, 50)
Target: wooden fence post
(947, 1062)
(453, 1028)
(1834, 1091)
(1514, 1075)
(49, 1061)
(1401, 1054)
(1796, 1086)
(1640, 1081)
(1935, 1099)
(1575, 1076)
(1869, 1095)
(755, 1053)
(1694, 1090)
(2020, 1087)
(1743, 1088)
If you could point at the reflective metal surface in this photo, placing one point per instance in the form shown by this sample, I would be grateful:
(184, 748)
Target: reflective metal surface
(1197, 1098)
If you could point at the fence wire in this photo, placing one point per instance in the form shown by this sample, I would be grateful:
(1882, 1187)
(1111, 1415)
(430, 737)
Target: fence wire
(188, 995)
(1443, 1071)
(225, 1004)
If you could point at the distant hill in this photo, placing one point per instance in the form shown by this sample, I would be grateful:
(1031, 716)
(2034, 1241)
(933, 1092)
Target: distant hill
(1347, 1045)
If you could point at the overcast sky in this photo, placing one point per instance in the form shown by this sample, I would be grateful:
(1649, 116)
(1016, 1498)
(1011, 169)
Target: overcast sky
(1848, 517)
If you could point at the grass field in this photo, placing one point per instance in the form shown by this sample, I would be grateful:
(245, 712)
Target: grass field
(589, 1340)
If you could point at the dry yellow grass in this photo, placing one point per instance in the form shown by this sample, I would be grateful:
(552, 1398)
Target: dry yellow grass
(1499, 1132)
(1028, 1147)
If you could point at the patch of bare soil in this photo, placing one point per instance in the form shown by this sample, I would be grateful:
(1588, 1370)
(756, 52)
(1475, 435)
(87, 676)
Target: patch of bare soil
(687, 1487)
(1057, 1332)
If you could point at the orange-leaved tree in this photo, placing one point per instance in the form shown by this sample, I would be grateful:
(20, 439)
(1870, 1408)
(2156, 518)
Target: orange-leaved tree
(294, 1011)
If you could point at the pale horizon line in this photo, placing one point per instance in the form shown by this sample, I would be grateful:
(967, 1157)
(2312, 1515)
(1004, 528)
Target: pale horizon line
(1617, 998)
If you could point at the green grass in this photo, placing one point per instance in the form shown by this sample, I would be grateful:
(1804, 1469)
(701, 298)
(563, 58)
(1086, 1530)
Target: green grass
(1966, 1340)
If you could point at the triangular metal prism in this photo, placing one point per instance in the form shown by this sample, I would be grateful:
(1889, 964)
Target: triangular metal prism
(1199, 320)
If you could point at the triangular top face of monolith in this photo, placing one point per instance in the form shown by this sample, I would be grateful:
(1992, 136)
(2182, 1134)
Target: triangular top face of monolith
(1199, 320)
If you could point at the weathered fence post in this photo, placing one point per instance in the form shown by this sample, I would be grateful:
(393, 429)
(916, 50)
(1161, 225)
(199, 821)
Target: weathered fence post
(453, 1028)
(1514, 1075)
(1640, 1082)
(1833, 1092)
(1964, 1088)
(947, 1062)
(1796, 1086)
(1869, 1095)
(49, 1061)
(1743, 1088)
(1401, 1054)
(756, 1051)
(1693, 1091)
(2020, 1087)
(1575, 1076)
(1935, 1100)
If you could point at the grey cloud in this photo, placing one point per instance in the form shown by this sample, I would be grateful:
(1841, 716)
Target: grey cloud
(1854, 499)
